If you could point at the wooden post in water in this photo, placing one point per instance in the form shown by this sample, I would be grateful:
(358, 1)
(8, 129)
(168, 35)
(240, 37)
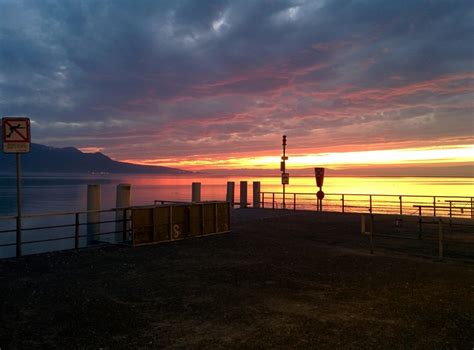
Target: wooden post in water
(256, 194)
(230, 196)
(196, 192)
(243, 194)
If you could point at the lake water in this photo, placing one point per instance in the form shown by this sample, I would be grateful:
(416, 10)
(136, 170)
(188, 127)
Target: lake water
(54, 193)
(50, 193)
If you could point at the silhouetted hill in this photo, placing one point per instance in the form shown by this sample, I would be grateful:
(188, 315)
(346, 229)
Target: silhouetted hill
(71, 160)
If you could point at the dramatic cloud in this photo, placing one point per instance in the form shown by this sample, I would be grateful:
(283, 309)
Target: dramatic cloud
(192, 80)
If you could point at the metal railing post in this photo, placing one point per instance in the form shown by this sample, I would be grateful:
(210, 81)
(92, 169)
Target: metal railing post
(420, 223)
(263, 200)
(216, 219)
(18, 236)
(370, 208)
(342, 199)
(124, 225)
(440, 239)
(472, 208)
(401, 206)
(76, 230)
(294, 201)
(273, 200)
(434, 206)
(371, 234)
(450, 213)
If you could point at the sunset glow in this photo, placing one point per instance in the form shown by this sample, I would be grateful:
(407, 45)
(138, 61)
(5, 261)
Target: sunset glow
(205, 85)
(455, 154)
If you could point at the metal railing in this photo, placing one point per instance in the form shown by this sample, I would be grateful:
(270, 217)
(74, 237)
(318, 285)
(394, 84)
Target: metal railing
(420, 205)
(78, 229)
(458, 236)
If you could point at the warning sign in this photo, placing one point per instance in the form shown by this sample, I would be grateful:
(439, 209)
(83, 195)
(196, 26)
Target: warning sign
(319, 175)
(16, 135)
(285, 179)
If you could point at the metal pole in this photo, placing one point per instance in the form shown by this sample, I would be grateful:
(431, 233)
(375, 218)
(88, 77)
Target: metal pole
(76, 231)
(440, 239)
(450, 213)
(401, 206)
(216, 223)
(124, 225)
(283, 196)
(342, 199)
(273, 200)
(370, 209)
(420, 222)
(284, 170)
(371, 234)
(472, 208)
(18, 206)
(263, 200)
(434, 206)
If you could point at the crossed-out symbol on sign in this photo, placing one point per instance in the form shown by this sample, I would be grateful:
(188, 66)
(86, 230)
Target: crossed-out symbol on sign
(14, 130)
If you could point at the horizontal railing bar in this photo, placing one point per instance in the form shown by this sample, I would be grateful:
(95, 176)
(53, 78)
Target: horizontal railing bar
(6, 231)
(71, 225)
(369, 194)
(9, 217)
(71, 237)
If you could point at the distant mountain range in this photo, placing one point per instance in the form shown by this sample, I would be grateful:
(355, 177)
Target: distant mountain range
(71, 160)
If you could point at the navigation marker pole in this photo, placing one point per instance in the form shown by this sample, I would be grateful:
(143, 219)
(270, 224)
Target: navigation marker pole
(285, 177)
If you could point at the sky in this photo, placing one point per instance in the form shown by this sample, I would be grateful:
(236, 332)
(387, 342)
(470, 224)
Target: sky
(215, 84)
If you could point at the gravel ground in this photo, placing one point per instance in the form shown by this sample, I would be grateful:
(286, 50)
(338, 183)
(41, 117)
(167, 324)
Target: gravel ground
(280, 279)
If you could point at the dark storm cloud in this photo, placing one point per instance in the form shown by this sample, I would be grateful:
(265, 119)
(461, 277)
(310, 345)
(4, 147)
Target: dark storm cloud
(100, 73)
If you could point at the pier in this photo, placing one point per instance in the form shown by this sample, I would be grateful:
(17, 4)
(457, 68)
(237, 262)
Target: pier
(280, 279)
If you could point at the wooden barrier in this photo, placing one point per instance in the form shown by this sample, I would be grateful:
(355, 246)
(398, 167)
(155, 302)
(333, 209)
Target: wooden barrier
(165, 223)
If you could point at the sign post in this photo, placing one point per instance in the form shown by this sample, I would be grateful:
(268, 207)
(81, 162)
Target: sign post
(17, 139)
(285, 177)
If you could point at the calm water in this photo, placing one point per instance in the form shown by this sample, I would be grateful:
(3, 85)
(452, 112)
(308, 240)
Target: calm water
(53, 193)
(68, 193)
